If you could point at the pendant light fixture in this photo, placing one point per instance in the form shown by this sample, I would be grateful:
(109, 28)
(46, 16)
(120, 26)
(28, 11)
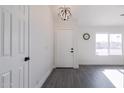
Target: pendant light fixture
(64, 13)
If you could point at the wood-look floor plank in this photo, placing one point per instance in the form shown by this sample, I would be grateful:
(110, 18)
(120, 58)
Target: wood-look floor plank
(84, 77)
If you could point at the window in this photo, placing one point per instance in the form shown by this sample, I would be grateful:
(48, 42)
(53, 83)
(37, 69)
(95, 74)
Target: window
(115, 44)
(108, 44)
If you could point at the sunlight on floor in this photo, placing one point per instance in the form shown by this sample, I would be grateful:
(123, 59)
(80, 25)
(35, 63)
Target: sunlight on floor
(115, 76)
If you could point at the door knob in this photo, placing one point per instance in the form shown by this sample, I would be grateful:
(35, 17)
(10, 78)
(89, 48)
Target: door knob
(26, 58)
(71, 51)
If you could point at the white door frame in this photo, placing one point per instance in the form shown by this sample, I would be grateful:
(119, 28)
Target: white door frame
(28, 46)
(75, 64)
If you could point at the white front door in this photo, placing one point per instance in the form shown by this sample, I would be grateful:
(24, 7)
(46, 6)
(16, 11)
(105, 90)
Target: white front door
(64, 48)
(13, 46)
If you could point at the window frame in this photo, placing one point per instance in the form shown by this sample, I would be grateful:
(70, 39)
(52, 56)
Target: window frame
(109, 44)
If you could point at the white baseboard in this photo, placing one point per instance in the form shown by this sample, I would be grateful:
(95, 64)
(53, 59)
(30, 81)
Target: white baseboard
(76, 67)
(102, 64)
(43, 79)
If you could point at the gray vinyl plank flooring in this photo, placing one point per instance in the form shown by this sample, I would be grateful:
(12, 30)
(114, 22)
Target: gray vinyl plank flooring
(84, 77)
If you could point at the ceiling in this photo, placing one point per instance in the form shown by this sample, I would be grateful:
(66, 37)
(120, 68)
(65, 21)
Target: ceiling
(95, 15)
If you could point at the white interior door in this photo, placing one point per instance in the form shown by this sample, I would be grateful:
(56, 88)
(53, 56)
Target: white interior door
(13, 46)
(64, 48)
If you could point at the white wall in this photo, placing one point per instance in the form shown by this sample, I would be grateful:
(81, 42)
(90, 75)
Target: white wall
(41, 27)
(92, 19)
(86, 48)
